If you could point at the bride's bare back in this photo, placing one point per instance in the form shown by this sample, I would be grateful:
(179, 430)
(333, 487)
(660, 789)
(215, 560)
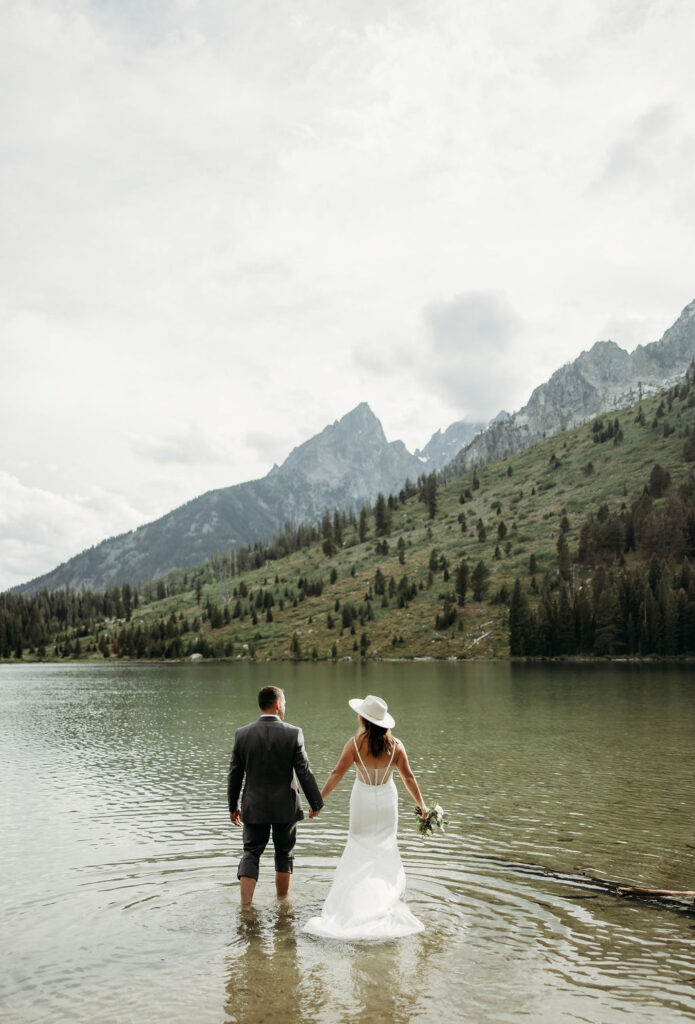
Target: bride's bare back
(351, 755)
(374, 771)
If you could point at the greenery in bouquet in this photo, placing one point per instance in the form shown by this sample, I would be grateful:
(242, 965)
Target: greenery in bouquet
(434, 818)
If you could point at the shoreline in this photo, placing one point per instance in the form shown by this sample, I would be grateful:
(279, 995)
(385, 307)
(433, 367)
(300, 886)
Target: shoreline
(652, 659)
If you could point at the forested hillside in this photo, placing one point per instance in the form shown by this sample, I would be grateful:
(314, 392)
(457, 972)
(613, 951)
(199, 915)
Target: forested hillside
(581, 545)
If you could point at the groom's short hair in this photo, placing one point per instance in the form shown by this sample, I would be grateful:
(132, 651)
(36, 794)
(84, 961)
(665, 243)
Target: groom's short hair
(268, 696)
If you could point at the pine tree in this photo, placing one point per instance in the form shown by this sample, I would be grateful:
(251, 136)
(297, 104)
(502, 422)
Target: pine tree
(337, 529)
(479, 581)
(362, 528)
(382, 517)
(565, 641)
(461, 585)
(127, 595)
(326, 527)
(431, 495)
(518, 622)
(563, 557)
(607, 633)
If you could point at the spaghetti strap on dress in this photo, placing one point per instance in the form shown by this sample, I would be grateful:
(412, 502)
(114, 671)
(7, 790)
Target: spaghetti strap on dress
(363, 772)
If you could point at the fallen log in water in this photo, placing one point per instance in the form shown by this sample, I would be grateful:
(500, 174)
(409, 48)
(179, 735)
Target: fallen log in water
(679, 899)
(637, 890)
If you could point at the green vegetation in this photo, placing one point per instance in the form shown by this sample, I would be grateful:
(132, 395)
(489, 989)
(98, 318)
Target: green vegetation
(577, 546)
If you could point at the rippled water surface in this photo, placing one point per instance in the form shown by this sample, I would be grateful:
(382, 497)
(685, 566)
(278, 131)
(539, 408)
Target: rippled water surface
(118, 889)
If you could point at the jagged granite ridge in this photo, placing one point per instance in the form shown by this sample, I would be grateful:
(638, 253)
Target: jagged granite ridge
(604, 379)
(443, 446)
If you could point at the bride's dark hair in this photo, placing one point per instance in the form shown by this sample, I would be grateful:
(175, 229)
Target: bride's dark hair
(378, 738)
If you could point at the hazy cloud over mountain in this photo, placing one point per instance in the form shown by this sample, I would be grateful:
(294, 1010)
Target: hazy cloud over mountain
(36, 523)
(640, 153)
(191, 447)
(270, 448)
(472, 337)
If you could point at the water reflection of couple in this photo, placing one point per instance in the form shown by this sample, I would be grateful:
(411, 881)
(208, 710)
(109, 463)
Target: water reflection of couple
(272, 975)
(364, 901)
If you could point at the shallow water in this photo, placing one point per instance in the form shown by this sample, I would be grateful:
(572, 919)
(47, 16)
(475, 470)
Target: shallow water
(118, 891)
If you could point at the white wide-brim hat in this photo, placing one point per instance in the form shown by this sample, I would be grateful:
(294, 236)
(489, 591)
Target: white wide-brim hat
(374, 709)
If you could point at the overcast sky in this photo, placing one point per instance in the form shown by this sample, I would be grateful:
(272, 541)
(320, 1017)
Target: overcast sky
(225, 224)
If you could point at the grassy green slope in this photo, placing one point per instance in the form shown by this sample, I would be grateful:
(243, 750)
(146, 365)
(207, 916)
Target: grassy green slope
(532, 490)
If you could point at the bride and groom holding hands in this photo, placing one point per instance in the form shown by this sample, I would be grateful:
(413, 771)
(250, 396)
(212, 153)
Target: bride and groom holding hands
(364, 900)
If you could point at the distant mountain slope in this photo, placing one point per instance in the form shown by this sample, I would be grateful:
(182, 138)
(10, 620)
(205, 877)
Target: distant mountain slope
(348, 463)
(598, 381)
(444, 445)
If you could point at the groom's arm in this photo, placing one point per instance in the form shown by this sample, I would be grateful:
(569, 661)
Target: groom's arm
(305, 774)
(235, 777)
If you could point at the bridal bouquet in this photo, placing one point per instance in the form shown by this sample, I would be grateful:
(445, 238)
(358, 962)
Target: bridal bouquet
(433, 819)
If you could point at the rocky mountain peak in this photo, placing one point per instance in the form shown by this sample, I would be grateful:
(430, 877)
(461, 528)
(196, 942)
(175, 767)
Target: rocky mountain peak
(348, 463)
(338, 447)
(444, 445)
(360, 419)
(603, 379)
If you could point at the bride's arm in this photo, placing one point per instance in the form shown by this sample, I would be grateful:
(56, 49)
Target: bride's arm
(346, 759)
(409, 781)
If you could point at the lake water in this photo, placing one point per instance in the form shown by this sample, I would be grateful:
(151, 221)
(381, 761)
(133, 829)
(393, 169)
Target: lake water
(118, 890)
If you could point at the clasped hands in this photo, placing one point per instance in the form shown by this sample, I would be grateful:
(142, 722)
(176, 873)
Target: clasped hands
(235, 817)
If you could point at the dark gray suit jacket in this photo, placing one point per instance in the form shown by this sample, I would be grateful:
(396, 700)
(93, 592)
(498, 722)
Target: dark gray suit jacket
(268, 752)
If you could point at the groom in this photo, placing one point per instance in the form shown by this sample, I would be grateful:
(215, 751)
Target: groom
(269, 752)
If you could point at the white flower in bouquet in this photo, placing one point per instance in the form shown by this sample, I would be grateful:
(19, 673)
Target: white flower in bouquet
(434, 818)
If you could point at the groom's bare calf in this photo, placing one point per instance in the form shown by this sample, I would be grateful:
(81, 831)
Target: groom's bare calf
(282, 882)
(248, 886)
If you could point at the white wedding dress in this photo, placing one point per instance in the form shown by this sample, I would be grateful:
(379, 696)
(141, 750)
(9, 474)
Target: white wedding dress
(364, 901)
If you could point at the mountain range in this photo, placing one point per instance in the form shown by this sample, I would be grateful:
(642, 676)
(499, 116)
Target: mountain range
(351, 461)
(347, 464)
(601, 380)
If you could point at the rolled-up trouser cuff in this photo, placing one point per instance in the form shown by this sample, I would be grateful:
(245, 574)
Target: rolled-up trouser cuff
(255, 841)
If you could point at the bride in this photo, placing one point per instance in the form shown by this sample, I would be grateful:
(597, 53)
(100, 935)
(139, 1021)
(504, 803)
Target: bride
(364, 901)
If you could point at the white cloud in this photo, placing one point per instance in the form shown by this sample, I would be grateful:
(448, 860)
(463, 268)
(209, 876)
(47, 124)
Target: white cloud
(40, 529)
(472, 320)
(222, 223)
(270, 448)
(189, 447)
(637, 157)
(471, 342)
